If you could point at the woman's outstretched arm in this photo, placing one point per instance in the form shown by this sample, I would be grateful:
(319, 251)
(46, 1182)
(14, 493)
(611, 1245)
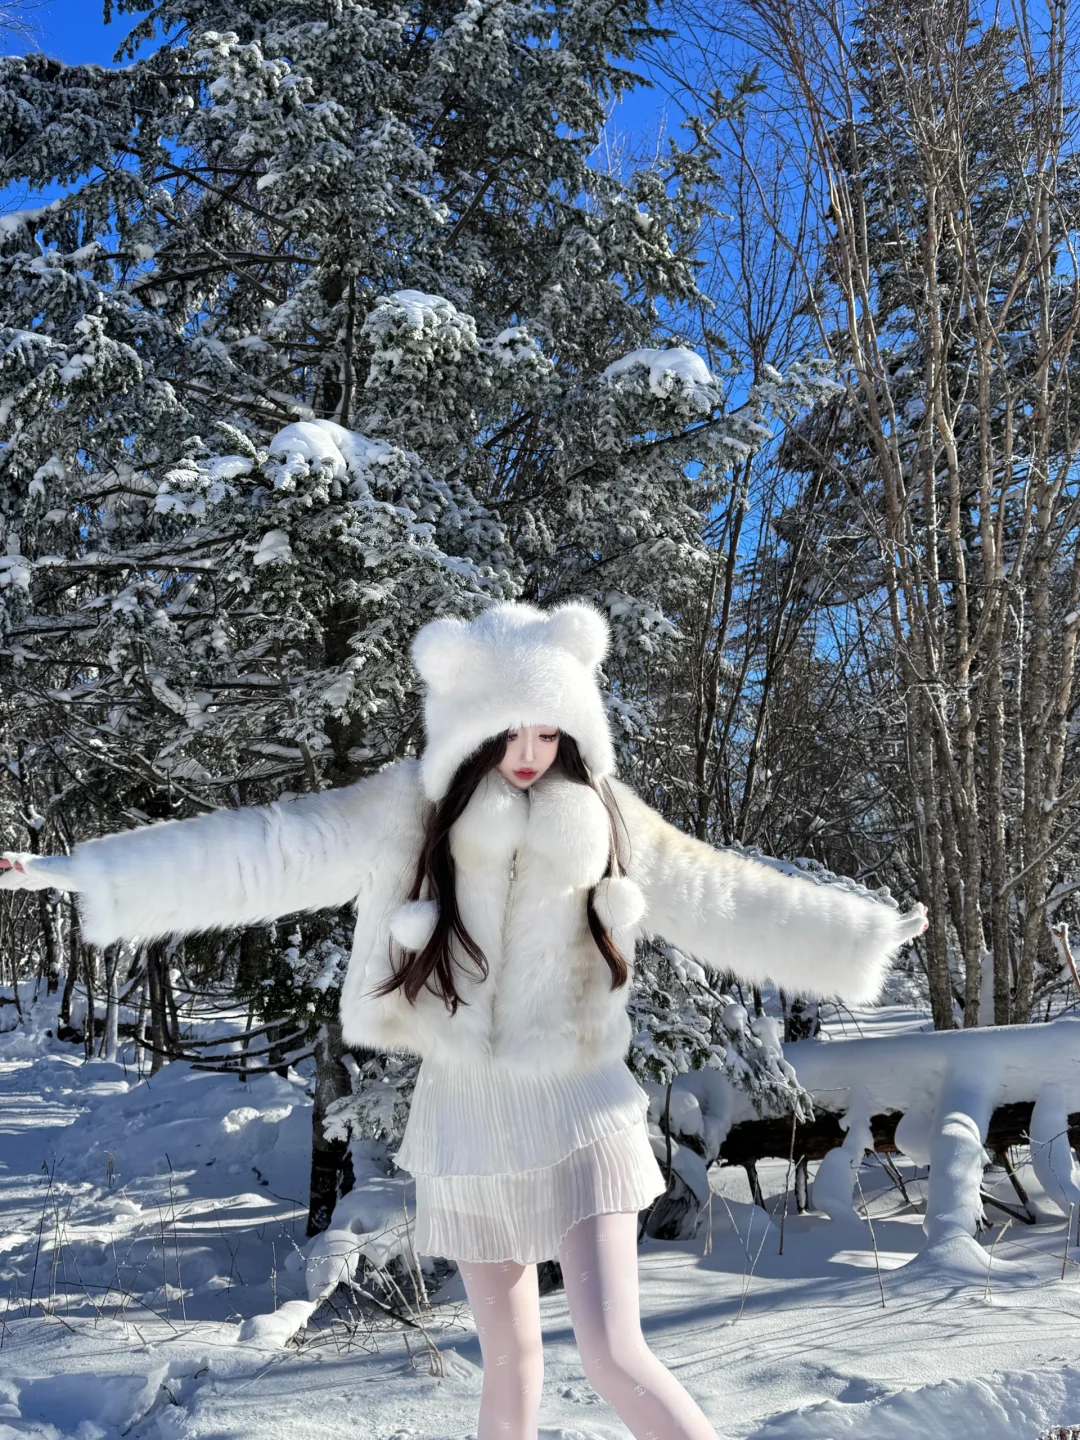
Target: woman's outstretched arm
(740, 914)
(230, 868)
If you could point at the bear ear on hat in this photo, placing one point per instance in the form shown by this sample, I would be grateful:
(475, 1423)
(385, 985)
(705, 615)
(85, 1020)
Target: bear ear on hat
(440, 649)
(581, 629)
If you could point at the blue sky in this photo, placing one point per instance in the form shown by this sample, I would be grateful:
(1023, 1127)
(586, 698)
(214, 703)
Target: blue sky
(71, 30)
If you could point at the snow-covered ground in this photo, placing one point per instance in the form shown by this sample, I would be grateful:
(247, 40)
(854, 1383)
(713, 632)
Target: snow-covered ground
(143, 1222)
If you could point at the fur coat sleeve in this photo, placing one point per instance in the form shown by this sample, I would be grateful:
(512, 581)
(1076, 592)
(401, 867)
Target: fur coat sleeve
(739, 914)
(231, 868)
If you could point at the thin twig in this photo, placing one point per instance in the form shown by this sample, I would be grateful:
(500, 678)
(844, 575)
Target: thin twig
(993, 1247)
(873, 1238)
(1068, 1233)
(787, 1180)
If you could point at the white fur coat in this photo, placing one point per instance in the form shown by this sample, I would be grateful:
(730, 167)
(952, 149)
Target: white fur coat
(547, 1000)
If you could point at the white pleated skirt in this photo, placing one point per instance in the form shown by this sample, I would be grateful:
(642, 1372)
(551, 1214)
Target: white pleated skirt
(507, 1160)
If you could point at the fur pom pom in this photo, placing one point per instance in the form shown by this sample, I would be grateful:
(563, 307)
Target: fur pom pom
(441, 650)
(412, 924)
(618, 902)
(580, 629)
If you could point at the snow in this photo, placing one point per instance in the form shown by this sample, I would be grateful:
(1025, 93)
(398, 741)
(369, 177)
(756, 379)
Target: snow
(420, 310)
(1051, 1154)
(948, 1086)
(909, 1069)
(514, 346)
(70, 1401)
(314, 441)
(279, 1327)
(15, 568)
(175, 1292)
(274, 548)
(16, 220)
(668, 370)
(310, 441)
(227, 467)
(1016, 1403)
(957, 1158)
(834, 1183)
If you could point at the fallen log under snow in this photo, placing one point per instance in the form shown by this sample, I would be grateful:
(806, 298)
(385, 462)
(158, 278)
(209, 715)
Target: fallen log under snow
(943, 1099)
(771, 1137)
(1006, 1068)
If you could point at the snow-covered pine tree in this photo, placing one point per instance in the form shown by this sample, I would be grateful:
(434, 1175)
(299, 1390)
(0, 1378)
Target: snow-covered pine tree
(233, 266)
(335, 327)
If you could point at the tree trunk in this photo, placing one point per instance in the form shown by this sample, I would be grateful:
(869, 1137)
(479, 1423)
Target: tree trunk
(75, 945)
(90, 958)
(549, 1277)
(278, 1052)
(110, 1038)
(802, 1187)
(171, 1013)
(675, 1214)
(140, 1021)
(50, 942)
(159, 1021)
(331, 1168)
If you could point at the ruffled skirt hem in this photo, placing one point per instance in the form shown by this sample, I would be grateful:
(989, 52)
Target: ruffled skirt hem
(524, 1215)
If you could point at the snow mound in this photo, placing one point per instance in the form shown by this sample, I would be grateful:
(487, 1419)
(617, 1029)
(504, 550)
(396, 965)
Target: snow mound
(1005, 1406)
(87, 1404)
(277, 1329)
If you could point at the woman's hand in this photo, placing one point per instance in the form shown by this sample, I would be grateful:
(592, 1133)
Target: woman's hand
(33, 872)
(915, 921)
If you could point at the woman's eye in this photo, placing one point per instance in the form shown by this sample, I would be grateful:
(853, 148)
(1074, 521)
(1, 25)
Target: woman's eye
(549, 737)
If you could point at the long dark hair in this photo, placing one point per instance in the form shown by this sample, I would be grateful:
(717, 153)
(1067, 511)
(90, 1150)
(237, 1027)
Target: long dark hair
(413, 969)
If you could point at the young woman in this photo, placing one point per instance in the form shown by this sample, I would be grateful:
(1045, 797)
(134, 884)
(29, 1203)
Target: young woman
(501, 881)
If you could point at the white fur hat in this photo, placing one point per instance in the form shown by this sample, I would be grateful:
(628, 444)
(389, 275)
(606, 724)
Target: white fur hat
(513, 665)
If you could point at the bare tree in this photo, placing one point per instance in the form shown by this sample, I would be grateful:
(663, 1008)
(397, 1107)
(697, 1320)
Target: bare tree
(15, 19)
(765, 738)
(943, 155)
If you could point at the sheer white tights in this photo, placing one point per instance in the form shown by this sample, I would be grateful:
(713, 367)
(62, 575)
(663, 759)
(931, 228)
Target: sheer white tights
(599, 1261)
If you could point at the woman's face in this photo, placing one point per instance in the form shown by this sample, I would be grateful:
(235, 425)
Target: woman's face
(529, 752)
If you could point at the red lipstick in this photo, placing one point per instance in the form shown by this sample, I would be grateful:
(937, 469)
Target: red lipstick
(524, 774)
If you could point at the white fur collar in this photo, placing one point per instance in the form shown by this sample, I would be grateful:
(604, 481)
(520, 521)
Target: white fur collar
(569, 827)
(563, 822)
(492, 824)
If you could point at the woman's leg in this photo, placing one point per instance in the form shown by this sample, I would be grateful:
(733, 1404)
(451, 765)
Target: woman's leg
(505, 1301)
(599, 1259)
